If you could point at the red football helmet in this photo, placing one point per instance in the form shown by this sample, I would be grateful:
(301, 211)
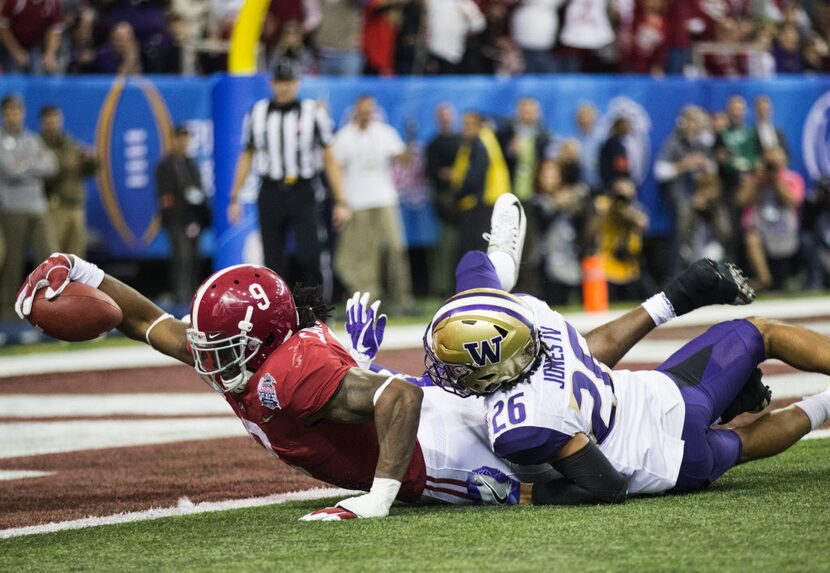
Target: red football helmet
(239, 316)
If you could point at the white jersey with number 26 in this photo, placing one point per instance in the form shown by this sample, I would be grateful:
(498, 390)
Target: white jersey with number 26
(636, 418)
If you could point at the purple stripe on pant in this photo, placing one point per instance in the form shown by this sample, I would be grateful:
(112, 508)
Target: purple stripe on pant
(475, 270)
(710, 371)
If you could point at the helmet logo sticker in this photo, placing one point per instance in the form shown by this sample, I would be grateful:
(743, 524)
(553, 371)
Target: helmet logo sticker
(268, 393)
(485, 352)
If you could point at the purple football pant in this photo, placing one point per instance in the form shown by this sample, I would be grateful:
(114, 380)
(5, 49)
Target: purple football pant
(710, 371)
(475, 270)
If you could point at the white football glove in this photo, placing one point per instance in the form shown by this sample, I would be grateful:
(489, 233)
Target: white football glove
(365, 328)
(54, 274)
(376, 503)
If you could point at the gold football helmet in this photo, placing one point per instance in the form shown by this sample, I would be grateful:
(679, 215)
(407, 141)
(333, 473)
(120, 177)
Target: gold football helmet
(480, 340)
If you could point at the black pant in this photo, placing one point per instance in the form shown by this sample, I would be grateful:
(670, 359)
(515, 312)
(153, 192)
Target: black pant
(297, 208)
(185, 271)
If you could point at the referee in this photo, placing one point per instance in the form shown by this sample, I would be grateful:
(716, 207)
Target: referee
(284, 138)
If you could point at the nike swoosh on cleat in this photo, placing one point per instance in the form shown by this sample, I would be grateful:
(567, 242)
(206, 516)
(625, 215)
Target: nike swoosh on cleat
(520, 210)
(500, 499)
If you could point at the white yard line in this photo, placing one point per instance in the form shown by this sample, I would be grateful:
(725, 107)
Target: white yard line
(397, 338)
(185, 507)
(9, 475)
(19, 439)
(97, 405)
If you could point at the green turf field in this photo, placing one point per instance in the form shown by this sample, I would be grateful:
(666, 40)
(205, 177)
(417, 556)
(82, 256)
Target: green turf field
(772, 515)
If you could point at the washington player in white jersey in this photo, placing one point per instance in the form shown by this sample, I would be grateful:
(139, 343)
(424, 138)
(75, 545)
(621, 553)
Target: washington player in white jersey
(548, 399)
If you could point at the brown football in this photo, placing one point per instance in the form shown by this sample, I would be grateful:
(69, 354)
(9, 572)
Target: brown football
(79, 313)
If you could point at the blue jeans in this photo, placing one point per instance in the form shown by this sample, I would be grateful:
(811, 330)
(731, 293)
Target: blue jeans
(340, 62)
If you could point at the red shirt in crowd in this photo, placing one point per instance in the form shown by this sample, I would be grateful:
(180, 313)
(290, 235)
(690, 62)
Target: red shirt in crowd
(30, 20)
(379, 36)
(648, 44)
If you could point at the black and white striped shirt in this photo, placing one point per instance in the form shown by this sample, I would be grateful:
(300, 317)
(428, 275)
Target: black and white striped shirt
(287, 140)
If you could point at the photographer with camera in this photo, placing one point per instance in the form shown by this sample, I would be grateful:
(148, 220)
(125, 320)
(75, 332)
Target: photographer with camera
(815, 236)
(771, 199)
(622, 220)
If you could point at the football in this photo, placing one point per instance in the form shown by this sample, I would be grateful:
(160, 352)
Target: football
(79, 313)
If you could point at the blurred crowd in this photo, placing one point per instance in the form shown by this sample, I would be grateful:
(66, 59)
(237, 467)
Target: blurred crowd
(727, 183)
(403, 37)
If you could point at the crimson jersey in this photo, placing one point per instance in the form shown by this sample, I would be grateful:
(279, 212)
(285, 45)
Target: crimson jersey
(295, 382)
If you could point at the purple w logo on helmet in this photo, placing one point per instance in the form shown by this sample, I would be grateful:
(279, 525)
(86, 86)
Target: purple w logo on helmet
(483, 353)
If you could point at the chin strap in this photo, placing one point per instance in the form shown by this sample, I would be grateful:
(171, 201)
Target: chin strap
(238, 383)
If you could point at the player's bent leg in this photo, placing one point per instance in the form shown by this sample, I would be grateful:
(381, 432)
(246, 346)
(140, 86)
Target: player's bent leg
(773, 432)
(794, 345)
(475, 270)
(712, 369)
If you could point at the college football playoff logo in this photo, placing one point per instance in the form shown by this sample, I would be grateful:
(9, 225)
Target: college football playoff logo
(268, 392)
(815, 139)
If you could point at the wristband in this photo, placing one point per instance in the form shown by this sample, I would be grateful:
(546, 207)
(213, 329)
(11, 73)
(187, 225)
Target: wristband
(155, 323)
(85, 272)
(659, 308)
(385, 490)
(380, 390)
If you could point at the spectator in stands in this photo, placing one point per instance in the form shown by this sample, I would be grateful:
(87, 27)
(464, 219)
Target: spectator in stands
(736, 151)
(815, 55)
(686, 24)
(24, 163)
(560, 211)
(184, 213)
(524, 141)
(30, 31)
(533, 27)
(787, 50)
(409, 47)
(589, 142)
(66, 190)
(449, 23)
(814, 236)
(621, 222)
(338, 38)
(710, 232)
(768, 134)
(613, 155)
(145, 17)
(291, 46)
(492, 51)
(122, 55)
(440, 157)
(647, 53)
(372, 244)
(587, 36)
(162, 54)
(771, 198)
(381, 19)
(82, 51)
(479, 177)
(684, 157)
(198, 14)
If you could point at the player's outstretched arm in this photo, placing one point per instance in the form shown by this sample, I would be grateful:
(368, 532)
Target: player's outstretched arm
(704, 283)
(145, 321)
(142, 320)
(395, 407)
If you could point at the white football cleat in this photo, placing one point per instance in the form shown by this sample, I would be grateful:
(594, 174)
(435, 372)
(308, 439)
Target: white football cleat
(508, 225)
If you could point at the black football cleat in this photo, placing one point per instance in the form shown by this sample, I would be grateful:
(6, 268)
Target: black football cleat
(753, 398)
(706, 282)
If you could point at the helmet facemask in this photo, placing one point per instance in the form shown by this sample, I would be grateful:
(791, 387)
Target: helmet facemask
(221, 361)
